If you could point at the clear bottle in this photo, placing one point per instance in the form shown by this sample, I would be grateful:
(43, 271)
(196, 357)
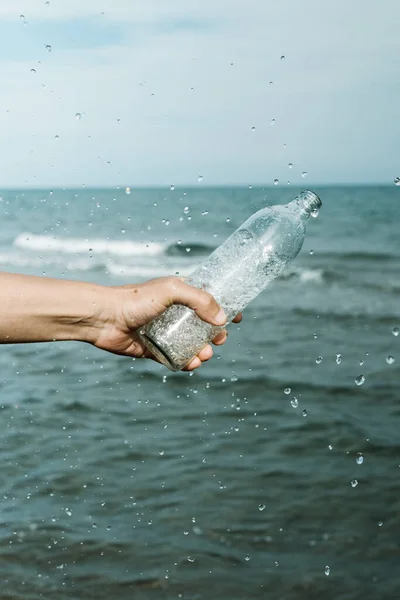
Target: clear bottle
(235, 273)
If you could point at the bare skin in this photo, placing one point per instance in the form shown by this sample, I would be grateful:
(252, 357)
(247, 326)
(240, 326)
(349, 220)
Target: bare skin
(41, 309)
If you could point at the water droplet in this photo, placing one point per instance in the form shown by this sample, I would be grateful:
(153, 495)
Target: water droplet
(247, 557)
(128, 191)
(78, 116)
(33, 70)
(361, 363)
(330, 447)
(304, 174)
(250, 187)
(360, 458)
(354, 483)
(228, 220)
(395, 331)
(380, 523)
(276, 181)
(290, 165)
(314, 213)
(315, 336)
(200, 178)
(172, 187)
(294, 402)
(327, 570)
(311, 252)
(190, 559)
(261, 507)
(390, 360)
(396, 181)
(319, 360)
(56, 137)
(359, 380)
(276, 563)
(253, 128)
(48, 47)
(304, 413)
(287, 390)
(186, 210)
(273, 122)
(204, 213)
(161, 452)
(283, 57)
(234, 378)
(22, 17)
(338, 359)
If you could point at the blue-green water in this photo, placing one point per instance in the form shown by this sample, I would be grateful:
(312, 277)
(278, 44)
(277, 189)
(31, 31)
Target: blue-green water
(121, 480)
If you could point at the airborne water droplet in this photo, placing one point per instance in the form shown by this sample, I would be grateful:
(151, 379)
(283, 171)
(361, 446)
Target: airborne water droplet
(327, 570)
(247, 557)
(172, 187)
(253, 128)
(48, 47)
(283, 57)
(294, 402)
(276, 181)
(304, 413)
(261, 507)
(396, 181)
(287, 390)
(319, 360)
(354, 483)
(273, 122)
(304, 174)
(390, 360)
(359, 380)
(78, 116)
(33, 70)
(359, 459)
(290, 165)
(395, 331)
(128, 191)
(200, 178)
(338, 359)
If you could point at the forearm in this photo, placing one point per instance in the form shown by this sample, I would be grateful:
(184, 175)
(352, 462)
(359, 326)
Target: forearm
(39, 309)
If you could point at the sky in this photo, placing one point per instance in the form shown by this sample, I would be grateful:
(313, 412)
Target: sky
(233, 91)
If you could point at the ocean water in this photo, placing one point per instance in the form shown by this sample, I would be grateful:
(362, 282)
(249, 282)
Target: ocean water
(122, 480)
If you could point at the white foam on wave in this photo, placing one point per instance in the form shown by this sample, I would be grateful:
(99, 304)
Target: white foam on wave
(304, 275)
(49, 243)
(142, 271)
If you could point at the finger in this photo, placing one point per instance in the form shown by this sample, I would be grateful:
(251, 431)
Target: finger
(206, 353)
(195, 363)
(198, 300)
(238, 318)
(220, 338)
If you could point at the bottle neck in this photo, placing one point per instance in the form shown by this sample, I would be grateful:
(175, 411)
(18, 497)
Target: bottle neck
(307, 204)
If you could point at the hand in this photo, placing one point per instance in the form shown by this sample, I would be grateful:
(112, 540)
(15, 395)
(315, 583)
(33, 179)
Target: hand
(133, 306)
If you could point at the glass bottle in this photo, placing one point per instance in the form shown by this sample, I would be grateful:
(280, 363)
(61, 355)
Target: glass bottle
(235, 273)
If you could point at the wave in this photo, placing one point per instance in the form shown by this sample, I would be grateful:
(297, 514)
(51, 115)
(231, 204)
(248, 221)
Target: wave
(49, 243)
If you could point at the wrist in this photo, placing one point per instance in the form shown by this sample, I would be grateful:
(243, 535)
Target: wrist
(92, 314)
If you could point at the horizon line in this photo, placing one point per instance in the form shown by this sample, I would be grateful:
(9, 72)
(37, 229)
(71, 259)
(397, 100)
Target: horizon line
(191, 185)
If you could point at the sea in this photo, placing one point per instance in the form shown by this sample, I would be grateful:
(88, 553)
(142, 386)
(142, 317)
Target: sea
(272, 472)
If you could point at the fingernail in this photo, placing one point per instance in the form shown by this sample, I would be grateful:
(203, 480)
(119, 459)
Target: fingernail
(220, 318)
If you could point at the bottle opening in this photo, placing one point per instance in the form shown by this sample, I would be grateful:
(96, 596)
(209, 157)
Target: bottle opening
(310, 202)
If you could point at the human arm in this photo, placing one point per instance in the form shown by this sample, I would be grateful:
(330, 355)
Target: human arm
(41, 309)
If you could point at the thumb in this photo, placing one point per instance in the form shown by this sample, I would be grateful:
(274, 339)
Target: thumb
(202, 302)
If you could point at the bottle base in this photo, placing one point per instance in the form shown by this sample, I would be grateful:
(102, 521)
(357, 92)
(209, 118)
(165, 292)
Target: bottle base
(158, 352)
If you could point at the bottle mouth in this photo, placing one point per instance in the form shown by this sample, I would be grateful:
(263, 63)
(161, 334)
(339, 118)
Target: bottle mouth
(310, 202)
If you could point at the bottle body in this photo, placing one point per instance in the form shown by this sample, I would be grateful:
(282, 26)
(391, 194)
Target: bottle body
(235, 273)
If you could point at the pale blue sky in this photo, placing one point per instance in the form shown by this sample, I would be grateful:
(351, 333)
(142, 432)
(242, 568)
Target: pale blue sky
(173, 90)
